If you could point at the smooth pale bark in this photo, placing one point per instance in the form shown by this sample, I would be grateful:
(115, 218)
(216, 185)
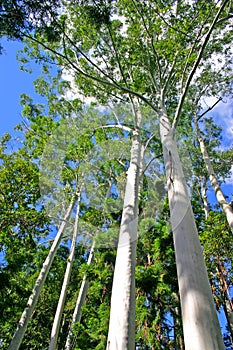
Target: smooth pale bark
(66, 280)
(32, 301)
(204, 198)
(227, 303)
(229, 315)
(121, 334)
(79, 304)
(179, 341)
(226, 207)
(200, 323)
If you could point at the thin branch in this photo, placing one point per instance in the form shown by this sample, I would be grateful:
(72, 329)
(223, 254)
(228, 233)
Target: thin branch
(118, 126)
(196, 64)
(192, 48)
(209, 109)
(117, 56)
(151, 40)
(121, 163)
(92, 77)
(119, 62)
(225, 18)
(92, 63)
(170, 26)
(190, 53)
(150, 161)
(59, 219)
(164, 88)
(149, 140)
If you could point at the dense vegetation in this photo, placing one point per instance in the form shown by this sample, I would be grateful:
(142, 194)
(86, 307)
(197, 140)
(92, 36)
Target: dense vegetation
(120, 162)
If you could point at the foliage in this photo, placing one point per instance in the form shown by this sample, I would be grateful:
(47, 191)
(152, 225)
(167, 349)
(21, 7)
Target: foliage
(116, 52)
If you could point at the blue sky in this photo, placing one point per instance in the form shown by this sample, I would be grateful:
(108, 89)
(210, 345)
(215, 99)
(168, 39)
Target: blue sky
(13, 82)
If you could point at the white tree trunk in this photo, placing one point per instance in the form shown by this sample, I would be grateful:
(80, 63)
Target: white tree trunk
(227, 302)
(32, 301)
(80, 302)
(121, 334)
(200, 322)
(204, 197)
(226, 207)
(66, 280)
(229, 315)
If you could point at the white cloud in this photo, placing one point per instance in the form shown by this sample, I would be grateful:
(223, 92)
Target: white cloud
(229, 180)
(222, 115)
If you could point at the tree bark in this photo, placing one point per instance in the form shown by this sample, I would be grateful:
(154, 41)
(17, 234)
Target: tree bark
(80, 302)
(204, 198)
(179, 340)
(32, 301)
(227, 302)
(226, 207)
(200, 323)
(121, 335)
(61, 302)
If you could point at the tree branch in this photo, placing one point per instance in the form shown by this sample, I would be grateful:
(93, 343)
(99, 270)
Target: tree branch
(114, 85)
(118, 126)
(150, 161)
(196, 64)
(149, 140)
(209, 109)
(151, 41)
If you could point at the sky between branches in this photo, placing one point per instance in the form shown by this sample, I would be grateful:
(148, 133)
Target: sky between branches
(14, 82)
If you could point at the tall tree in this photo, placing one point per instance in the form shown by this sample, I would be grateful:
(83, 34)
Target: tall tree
(155, 58)
(32, 301)
(122, 315)
(79, 303)
(61, 302)
(226, 207)
(216, 239)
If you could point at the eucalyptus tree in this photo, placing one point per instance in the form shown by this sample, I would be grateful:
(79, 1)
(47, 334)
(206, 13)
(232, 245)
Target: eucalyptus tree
(158, 321)
(61, 302)
(33, 299)
(55, 167)
(157, 53)
(226, 207)
(76, 317)
(217, 243)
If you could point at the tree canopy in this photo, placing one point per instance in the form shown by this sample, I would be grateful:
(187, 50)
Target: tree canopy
(124, 138)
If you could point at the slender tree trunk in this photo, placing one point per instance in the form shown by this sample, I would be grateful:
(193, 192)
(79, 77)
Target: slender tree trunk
(228, 315)
(204, 197)
(121, 335)
(61, 302)
(226, 207)
(200, 323)
(79, 304)
(32, 301)
(179, 340)
(227, 304)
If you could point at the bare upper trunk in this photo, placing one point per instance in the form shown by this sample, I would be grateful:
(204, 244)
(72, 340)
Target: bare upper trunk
(121, 334)
(79, 304)
(32, 301)
(204, 198)
(62, 298)
(227, 302)
(226, 207)
(200, 323)
(178, 337)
